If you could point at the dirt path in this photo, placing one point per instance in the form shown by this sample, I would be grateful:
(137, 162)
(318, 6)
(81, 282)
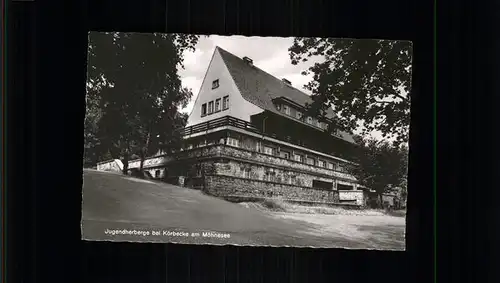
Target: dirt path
(371, 232)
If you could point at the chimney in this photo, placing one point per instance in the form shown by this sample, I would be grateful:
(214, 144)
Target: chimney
(248, 60)
(287, 82)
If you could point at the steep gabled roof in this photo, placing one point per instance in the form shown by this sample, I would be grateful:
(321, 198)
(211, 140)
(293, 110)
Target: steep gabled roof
(260, 88)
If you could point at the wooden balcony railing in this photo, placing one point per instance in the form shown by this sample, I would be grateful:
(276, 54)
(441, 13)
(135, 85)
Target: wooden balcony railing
(217, 123)
(238, 123)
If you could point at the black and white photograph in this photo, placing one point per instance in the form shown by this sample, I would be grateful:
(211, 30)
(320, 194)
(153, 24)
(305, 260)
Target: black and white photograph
(248, 141)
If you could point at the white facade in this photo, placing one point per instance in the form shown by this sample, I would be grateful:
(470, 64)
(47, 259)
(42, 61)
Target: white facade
(238, 106)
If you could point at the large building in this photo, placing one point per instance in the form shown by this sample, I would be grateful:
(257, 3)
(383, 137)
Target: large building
(248, 137)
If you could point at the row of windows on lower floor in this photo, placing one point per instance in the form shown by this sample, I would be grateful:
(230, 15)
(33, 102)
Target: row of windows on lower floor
(272, 177)
(283, 153)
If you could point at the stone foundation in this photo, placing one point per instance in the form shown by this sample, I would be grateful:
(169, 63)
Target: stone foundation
(222, 186)
(262, 159)
(257, 172)
(226, 171)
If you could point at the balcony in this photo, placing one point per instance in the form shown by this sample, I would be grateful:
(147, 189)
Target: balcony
(227, 121)
(219, 123)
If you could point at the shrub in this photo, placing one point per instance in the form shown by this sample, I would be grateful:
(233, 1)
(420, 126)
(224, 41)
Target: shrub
(274, 204)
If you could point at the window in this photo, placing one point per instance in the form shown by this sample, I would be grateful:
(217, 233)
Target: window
(299, 158)
(233, 142)
(330, 166)
(210, 107)
(157, 174)
(258, 146)
(343, 187)
(319, 124)
(310, 161)
(203, 109)
(217, 105)
(268, 150)
(267, 176)
(335, 166)
(342, 168)
(273, 177)
(285, 154)
(286, 109)
(245, 172)
(225, 102)
(299, 115)
(293, 180)
(286, 179)
(309, 120)
(322, 185)
(215, 84)
(321, 163)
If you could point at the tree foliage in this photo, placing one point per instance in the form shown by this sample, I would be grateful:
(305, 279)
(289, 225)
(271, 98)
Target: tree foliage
(134, 93)
(90, 138)
(367, 82)
(381, 164)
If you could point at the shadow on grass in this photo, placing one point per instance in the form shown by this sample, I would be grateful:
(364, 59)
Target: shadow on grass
(386, 237)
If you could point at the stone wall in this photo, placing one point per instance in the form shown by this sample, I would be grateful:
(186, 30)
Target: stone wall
(257, 172)
(356, 195)
(231, 171)
(288, 163)
(149, 162)
(223, 186)
(113, 165)
(206, 151)
(257, 157)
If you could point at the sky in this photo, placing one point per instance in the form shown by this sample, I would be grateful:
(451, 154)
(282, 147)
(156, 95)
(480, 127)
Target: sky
(268, 53)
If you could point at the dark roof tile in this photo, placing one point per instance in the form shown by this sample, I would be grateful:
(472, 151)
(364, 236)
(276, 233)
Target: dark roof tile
(260, 88)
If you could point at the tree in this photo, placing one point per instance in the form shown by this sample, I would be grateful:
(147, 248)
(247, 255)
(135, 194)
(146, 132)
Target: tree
(92, 143)
(367, 82)
(381, 164)
(90, 139)
(139, 92)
